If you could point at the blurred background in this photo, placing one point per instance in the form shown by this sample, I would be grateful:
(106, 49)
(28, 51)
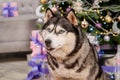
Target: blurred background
(17, 20)
(21, 19)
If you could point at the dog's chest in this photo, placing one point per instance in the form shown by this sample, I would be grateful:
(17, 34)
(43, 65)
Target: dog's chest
(70, 73)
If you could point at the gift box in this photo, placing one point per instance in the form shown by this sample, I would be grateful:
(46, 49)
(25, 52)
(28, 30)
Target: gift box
(10, 9)
(36, 43)
(38, 58)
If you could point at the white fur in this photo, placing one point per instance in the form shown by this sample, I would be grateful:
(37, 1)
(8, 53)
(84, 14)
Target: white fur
(63, 72)
(63, 43)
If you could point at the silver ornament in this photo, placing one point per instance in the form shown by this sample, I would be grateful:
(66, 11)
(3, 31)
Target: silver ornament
(115, 28)
(40, 20)
(77, 5)
(93, 40)
(107, 38)
(96, 4)
(38, 13)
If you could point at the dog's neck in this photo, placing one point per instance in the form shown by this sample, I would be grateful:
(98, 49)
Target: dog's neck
(83, 52)
(61, 53)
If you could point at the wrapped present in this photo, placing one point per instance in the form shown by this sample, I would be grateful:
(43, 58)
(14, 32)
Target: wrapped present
(36, 43)
(36, 34)
(10, 9)
(38, 60)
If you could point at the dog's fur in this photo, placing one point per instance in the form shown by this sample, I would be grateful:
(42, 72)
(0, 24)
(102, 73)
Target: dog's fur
(70, 55)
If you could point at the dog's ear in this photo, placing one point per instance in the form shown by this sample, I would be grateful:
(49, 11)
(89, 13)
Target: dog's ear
(48, 15)
(72, 18)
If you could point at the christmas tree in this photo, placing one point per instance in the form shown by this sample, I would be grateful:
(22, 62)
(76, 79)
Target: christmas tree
(99, 18)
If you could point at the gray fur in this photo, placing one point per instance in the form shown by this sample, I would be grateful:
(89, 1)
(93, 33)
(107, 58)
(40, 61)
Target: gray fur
(79, 61)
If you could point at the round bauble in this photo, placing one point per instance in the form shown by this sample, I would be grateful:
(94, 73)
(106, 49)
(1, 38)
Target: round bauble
(119, 18)
(115, 27)
(38, 13)
(107, 38)
(68, 9)
(54, 9)
(98, 25)
(43, 1)
(108, 19)
(84, 24)
(90, 29)
(40, 20)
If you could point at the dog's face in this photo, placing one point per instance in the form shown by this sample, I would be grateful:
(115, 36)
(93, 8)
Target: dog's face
(55, 36)
(59, 32)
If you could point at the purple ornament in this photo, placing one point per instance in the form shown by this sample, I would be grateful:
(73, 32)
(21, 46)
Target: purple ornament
(68, 9)
(98, 25)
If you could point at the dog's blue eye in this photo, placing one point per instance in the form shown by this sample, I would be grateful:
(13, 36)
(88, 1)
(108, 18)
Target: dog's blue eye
(48, 29)
(61, 31)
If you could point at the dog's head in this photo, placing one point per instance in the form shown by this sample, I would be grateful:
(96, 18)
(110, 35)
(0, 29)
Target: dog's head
(60, 32)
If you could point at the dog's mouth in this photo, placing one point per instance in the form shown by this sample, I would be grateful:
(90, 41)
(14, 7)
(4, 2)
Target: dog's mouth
(49, 48)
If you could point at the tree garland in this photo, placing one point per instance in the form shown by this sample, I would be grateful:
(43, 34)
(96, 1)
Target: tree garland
(99, 21)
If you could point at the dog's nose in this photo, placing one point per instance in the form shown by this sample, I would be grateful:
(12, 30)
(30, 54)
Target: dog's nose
(48, 42)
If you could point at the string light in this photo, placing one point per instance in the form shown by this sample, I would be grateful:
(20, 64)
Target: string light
(107, 32)
(106, 19)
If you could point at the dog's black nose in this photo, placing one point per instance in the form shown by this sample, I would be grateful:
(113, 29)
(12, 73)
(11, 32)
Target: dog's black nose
(48, 42)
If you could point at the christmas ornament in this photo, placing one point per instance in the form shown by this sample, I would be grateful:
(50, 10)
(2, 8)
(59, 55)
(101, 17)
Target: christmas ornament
(77, 5)
(119, 18)
(43, 8)
(92, 39)
(63, 6)
(68, 9)
(43, 1)
(38, 13)
(115, 28)
(54, 9)
(98, 36)
(98, 25)
(107, 38)
(84, 24)
(108, 19)
(40, 20)
(96, 4)
(90, 29)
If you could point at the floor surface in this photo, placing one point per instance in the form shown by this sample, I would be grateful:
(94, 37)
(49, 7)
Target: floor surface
(14, 69)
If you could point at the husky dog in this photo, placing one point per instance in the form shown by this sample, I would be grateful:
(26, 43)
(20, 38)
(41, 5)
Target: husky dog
(70, 55)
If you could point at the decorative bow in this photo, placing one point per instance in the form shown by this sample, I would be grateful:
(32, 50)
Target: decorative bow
(8, 11)
(38, 62)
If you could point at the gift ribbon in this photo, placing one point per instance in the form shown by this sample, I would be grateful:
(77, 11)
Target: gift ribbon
(40, 56)
(36, 40)
(9, 9)
(110, 69)
(38, 68)
(37, 71)
(39, 43)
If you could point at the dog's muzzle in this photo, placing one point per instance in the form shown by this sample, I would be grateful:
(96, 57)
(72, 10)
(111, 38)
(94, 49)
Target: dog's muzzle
(48, 43)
